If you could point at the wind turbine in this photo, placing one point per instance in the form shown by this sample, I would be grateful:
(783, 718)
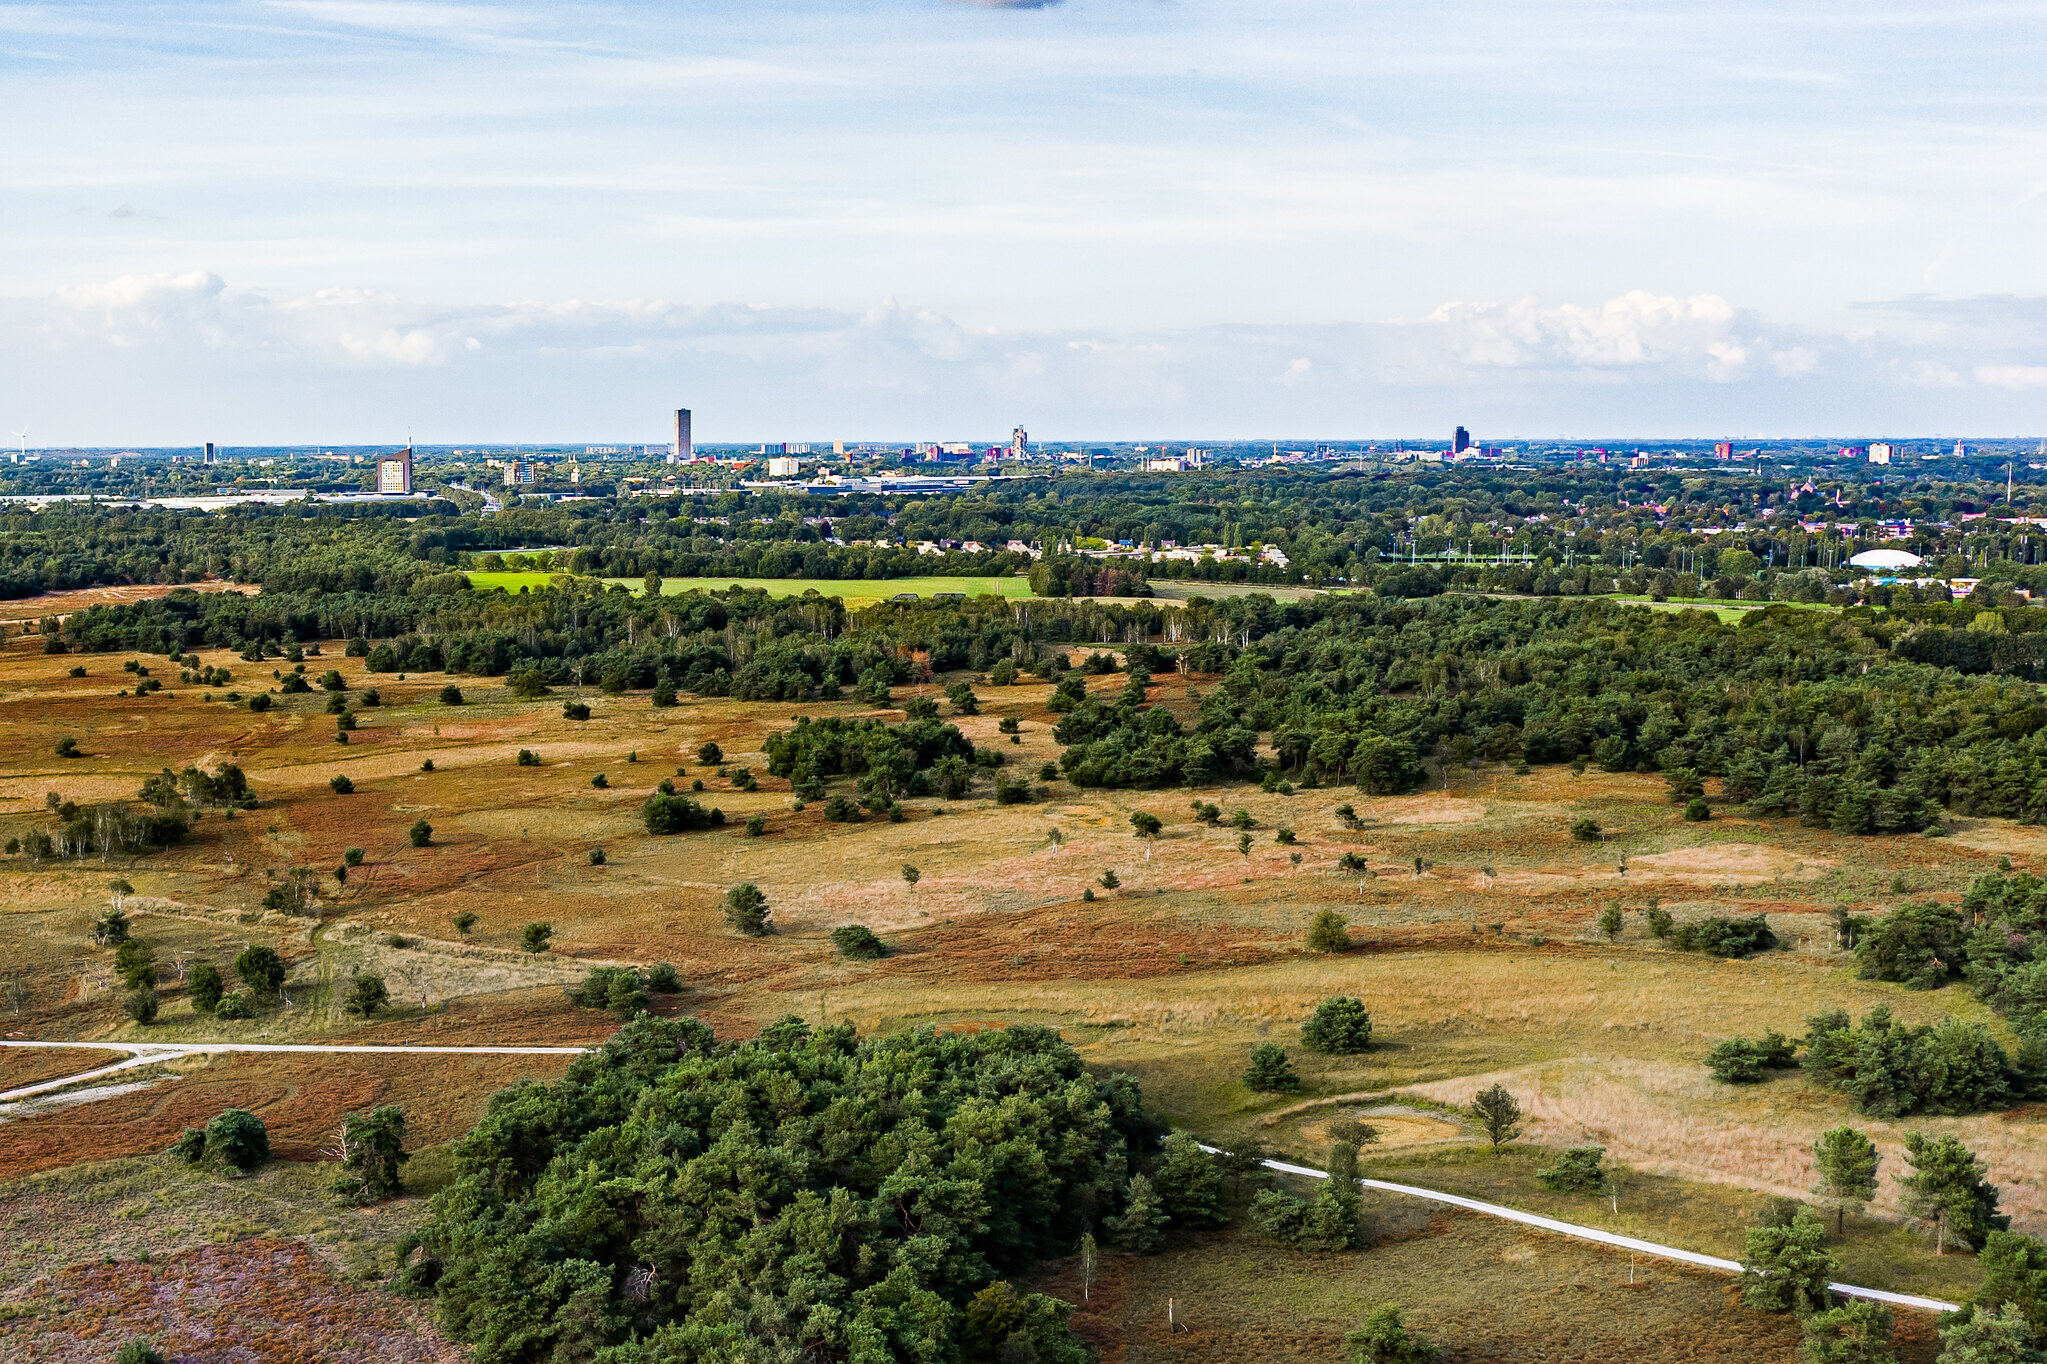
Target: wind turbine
(22, 436)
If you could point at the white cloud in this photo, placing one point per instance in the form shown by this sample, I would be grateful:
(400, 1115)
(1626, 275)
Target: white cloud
(2018, 377)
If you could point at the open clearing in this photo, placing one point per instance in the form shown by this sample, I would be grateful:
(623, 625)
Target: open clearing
(1472, 946)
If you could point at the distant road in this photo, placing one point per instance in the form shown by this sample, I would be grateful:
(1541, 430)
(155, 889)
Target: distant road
(155, 1053)
(1604, 1238)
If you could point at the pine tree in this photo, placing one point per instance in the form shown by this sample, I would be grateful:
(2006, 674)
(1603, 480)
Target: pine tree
(1496, 1111)
(1846, 1161)
(1189, 1184)
(1788, 1268)
(1270, 1072)
(1141, 1229)
(1946, 1189)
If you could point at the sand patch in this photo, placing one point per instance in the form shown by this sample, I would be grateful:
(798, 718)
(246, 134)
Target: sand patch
(1743, 862)
(1427, 810)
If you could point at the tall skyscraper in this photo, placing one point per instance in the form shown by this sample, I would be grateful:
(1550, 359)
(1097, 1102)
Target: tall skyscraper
(209, 452)
(1460, 442)
(1019, 441)
(684, 447)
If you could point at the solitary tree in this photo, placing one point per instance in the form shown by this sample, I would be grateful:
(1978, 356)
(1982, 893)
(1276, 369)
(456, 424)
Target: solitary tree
(1339, 1027)
(1148, 827)
(366, 995)
(1846, 1161)
(261, 969)
(1328, 933)
(120, 890)
(1270, 1072)
(1947, 1191)
(746, 909)
(1385, 1339)
(203, 986)
(421, 833)
(1088, 1257)
(238, 1138)
(1610, 921)
(911, 876)
(1243, 845)
(1496, 1111)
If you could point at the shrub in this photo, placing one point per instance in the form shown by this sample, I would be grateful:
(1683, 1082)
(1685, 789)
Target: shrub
(1611, 922)
(135, 963)
(1108, 880)
(536, 936)
(373, 1147)
(352, 856)
(1585, 831)
(856, 942)
(1012, 791)
(261, 969)
(238, 1138)
(341, 786)
(421, 833)
(1340, 1027)
(746, 909)
(464, 921)
(1576, 1171)
(1328, 933)
(1385, 1339)
(451, 695)
(1270, 1072)
(1659, 920)
(840, 810)
(601, 782)
(596, 857)
(663, 980)
(664, 695)
(756, 825)
(1977, 1335)
(664, 813)
(141, 1004)
(234, 1006)
(260, 702)
(1856, 1332)
(366, 995)
(203, 986)
(528, 758)
(140, 1350)
(709, 754)
(1889, 1070)
(1739, 1061)
(575, 710)
(1722, 937)
(1697, 811)
(1919, 946)
(67, 747)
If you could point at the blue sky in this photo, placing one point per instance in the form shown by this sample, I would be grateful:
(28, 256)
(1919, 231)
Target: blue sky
(337, 220)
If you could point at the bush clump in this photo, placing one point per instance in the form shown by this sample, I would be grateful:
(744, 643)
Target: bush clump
(1339, 1027)
(856, 942)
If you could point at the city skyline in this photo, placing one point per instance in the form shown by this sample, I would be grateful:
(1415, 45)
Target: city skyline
(327, 219)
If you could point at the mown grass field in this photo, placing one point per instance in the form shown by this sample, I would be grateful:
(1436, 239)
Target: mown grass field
(1482, 964)
(858, 592)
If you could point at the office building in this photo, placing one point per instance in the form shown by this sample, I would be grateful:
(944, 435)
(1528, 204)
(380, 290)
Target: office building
(685, 449)
(784, 466)
(1723, 449)
(1460, 441)
(209, 452)
(1019, 441)
(394, 473)
(518, 472)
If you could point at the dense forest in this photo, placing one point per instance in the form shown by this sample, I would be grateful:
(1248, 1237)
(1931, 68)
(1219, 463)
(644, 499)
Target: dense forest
(808, 1195)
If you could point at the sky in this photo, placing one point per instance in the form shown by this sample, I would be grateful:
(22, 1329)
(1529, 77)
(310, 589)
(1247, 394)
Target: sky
(343, 221)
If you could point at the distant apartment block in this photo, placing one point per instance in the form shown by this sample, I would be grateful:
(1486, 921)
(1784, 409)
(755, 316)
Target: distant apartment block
(518, 473)
(685, 448)
(394, 473)
(1880, 453)
(784, 466)
(1460, 441)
